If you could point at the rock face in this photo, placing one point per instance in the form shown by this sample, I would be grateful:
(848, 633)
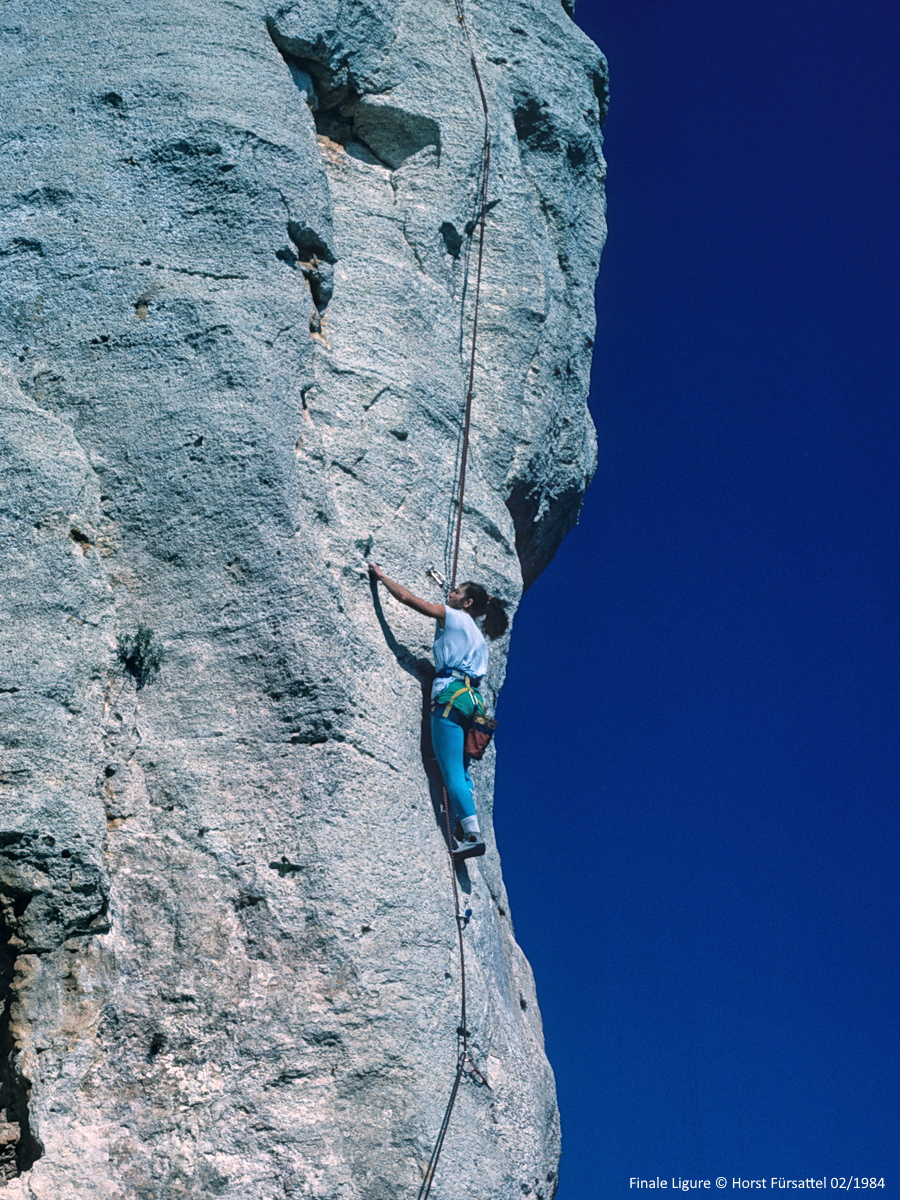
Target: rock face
(234, 306)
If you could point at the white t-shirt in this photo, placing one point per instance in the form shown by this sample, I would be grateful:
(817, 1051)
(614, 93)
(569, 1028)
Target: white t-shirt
(460, 645)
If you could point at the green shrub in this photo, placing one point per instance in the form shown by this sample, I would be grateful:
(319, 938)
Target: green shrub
(140, 655)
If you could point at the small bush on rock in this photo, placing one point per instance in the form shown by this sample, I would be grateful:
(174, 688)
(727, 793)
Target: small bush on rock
(140, 655)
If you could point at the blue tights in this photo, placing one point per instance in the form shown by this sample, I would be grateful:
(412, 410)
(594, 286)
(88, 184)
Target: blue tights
(448, 739)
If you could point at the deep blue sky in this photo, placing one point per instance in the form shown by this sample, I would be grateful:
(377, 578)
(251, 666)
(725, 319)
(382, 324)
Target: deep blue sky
(702, 860)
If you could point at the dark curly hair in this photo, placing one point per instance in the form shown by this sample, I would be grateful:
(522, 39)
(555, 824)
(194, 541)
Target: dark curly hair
(496, 622)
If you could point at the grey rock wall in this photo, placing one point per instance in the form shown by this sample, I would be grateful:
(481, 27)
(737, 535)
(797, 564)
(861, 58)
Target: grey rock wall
(233, 308)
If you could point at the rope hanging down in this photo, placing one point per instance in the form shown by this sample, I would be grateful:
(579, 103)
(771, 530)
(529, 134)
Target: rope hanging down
(462, 1032)
(482, 216)
(464, 1057)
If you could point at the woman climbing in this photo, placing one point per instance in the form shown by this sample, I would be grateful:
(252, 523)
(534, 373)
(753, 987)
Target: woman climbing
(461, 658)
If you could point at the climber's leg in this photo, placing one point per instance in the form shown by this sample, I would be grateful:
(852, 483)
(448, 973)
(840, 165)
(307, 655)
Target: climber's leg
(448, 739)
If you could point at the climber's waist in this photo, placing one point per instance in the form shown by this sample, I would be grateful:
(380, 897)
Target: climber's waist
(443, 713)
(457, 695)
(452, 673)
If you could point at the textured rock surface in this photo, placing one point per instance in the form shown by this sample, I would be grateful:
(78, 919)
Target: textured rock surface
(233, 247)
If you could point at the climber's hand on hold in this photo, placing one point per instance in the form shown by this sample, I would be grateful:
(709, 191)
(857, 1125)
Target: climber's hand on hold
(405, 596)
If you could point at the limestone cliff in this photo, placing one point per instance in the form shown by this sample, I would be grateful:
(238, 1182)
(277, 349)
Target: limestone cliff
(234, 303)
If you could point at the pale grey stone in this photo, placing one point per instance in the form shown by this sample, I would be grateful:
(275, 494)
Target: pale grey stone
(234, 244)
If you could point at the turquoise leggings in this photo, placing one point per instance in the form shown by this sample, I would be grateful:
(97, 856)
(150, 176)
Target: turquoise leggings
(448, 739)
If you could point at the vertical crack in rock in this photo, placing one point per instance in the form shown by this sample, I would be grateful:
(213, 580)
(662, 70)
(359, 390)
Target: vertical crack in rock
(47, 895)
(19, 1149)
(315, 260)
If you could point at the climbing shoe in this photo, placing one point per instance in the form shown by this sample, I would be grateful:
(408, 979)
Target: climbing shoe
(470, 847)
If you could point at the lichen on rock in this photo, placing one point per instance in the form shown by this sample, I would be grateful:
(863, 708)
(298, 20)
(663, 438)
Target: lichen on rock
(235, 300)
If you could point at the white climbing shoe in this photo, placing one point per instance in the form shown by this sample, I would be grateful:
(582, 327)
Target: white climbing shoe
(470, 847)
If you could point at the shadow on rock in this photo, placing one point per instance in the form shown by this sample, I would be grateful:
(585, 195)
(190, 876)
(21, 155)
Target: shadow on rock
(422, 670)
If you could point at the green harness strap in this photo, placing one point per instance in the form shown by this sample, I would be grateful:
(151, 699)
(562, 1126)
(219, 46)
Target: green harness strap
(477, 700)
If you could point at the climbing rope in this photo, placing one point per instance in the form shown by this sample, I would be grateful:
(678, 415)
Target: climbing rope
(462, 1031)
(464, 1057)
(482, 215)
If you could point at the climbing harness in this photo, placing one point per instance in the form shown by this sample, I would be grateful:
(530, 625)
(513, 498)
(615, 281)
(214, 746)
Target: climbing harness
(464, 1058)
(479, 727)
(459, 712)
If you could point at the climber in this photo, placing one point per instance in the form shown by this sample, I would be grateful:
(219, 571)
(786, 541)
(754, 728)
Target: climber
(461, 658)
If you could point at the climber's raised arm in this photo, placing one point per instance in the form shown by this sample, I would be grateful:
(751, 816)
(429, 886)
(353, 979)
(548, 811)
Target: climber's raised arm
(405, 596)
(461, 662)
